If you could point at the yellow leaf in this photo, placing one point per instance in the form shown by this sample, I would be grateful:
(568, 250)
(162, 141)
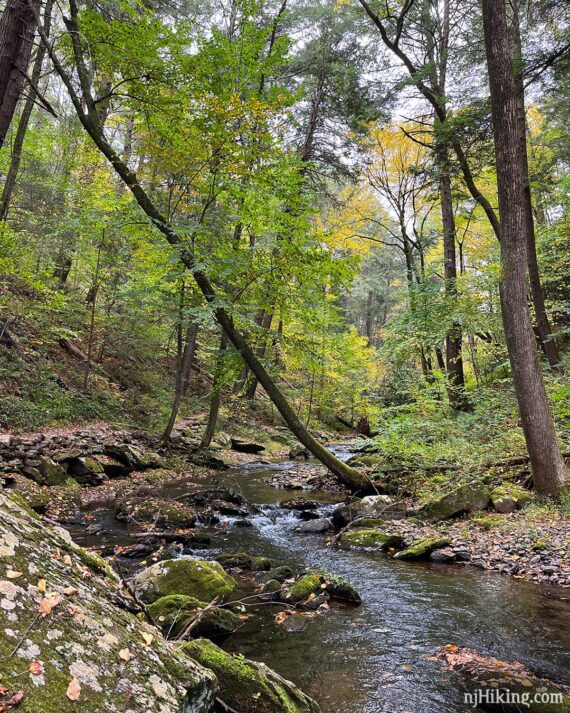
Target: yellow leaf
(147, 638)
(73, 690)
(42, 585)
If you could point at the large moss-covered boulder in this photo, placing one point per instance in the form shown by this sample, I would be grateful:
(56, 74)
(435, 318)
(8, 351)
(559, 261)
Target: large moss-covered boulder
(176, 612)
(421, 549)
(194, 578)
(62, 630)
(248, 686)
(467, 497)
(510, 497)
(368, 538)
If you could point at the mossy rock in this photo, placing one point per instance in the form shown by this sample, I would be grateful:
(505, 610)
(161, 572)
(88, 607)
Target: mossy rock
(248, 686)
(279, 573)
(260, 564)
(339, 588)
(371, 538)
(84, 634)
(467, 497)
(52, 472)
(305, 586)
(160, 513)
(174, 613)
(509, 497)
(239, 560)
(421, 549)
(36, 497)
(194, 578)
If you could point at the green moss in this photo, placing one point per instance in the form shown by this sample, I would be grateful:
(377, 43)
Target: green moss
(248, 686)
(237, 559)
(422, 548)
(303, 587)
(467, 497)
(195, 578)
(174, 613)
(260, 564)
(509, 496)
(339, 588)
(488, 522)
(370, 538)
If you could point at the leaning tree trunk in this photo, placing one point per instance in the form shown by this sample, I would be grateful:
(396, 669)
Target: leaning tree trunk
(24, 119)
(548, 467)
(85, 109)
(17, 27)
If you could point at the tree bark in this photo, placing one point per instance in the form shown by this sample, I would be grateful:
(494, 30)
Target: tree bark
(453, 342)
(25, 119)
(548, 344)
(183, 371)
(17, 26)
(549, 471)
(216, 398)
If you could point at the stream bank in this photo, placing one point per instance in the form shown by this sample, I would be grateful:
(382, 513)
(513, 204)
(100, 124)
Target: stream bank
(374, 658)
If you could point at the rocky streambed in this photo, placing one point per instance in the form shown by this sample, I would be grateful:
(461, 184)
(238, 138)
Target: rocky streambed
(349, 599)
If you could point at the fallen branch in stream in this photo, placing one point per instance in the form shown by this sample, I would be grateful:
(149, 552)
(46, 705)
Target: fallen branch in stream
(194, 623)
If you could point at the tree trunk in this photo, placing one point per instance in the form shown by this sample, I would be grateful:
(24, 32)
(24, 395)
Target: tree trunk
(17, 26)
(183, 371)
(549, 471)
(453, 347)
(24, 119)
(549, 346)
(260, 351)
(216, 398)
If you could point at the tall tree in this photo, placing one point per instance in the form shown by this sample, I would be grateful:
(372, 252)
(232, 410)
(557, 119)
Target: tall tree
(549, 471)
(85, 105)
(397, 26)
(17, 27)
(25, 117)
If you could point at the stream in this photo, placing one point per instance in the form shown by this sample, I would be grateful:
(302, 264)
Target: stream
(373, 659)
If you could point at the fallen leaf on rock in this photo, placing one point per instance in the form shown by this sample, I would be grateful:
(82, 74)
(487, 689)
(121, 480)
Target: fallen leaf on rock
(36, 668)
(42, 585)
(73, 690)
(67, 560)
(11, 702)
(45, 607)
(11, 574)
(147, 638)
(70, 591)
(125, 654)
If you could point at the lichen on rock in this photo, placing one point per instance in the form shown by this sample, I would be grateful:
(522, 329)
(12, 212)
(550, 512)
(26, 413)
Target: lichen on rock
(57, 608)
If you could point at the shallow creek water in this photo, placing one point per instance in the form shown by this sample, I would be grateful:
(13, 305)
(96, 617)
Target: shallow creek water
(372, 659)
